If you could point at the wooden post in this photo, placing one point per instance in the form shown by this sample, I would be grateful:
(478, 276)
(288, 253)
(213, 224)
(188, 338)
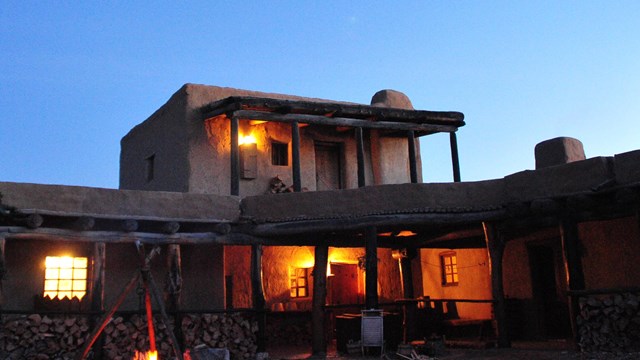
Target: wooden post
(235, 157)
(319, 340)
(295, 156)
(406, 277)
(257, 292)
(371, 267)
(413, 162)
(495, 247)
(97, 291)
(173, 288)
(572, 259)
(360, 154)
(453, 140)
(3, 269)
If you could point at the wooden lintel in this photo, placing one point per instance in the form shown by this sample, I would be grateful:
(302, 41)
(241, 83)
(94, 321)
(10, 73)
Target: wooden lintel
(326, 225)
(338, 121)
(120, 237)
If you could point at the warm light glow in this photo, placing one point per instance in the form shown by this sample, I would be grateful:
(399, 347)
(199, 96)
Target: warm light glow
(329, 269)
(65, 276)
(149, 355)
(247, 139)
(404, 233)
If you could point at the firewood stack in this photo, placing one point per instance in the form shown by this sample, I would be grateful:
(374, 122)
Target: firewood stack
(610, 323)
(124, 337)
(36, 337)
(231, 331)
(42, 337)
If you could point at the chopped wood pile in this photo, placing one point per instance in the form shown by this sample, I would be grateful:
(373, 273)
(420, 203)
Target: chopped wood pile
(289, 330)
(232, 331)
(42, 337)
(36, 337)
(610, 323)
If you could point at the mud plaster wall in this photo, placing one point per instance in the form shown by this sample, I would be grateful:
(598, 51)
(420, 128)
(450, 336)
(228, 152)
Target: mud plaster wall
(163, 135)
(277, 262)
(474, 280)
(202, 277)
(611, 253)
(24, 278)
(237, 260)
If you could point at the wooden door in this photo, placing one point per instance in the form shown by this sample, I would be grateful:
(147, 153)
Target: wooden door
(344, 284)
(328, 166)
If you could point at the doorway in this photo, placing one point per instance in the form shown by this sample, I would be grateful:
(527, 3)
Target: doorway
(550, 305)
(344, 284)
(328, 166)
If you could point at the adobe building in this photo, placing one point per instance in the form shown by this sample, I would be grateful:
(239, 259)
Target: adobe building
(232, 202)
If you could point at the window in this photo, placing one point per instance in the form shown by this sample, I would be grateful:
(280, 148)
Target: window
(150, 167)
(65, 276)
(299, 282)
(279, 153)
(449, 266)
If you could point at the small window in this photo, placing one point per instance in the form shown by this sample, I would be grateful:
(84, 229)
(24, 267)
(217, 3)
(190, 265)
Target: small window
(150, 167)
(279, 154)
(449, 266)
(65, 276)
(299, 282)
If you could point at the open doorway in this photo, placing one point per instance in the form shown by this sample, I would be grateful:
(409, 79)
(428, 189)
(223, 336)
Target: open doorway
(550, 303)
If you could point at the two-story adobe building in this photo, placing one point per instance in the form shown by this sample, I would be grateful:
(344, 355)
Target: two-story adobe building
(233, 202)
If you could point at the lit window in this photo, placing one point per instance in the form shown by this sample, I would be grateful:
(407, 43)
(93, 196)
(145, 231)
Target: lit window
(299, 282)
(279, 154)
(65, 276)
(449, 265)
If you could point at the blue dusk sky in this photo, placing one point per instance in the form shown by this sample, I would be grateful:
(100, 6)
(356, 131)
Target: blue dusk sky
(76, 76)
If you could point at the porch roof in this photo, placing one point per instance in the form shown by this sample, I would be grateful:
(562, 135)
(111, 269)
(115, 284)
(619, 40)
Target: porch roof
(334, 113)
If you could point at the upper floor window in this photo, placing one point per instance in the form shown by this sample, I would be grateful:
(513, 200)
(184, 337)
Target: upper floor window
(449, 267)
(150, 167)
(65, 276)
(279, 153)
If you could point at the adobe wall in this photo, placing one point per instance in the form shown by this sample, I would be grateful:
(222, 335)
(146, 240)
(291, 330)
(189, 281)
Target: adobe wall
(611, 253)
(474, 281)
(164, 136)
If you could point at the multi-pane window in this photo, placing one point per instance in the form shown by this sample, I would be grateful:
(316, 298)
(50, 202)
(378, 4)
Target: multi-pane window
(449, 265)
(299, 282)
(65, 276)
(279, 153)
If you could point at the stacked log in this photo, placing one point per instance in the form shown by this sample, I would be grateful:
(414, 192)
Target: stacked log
(609, 323)
(42, 337)
(231, 331)
(122, 338)
(36, 337)
(289, 329)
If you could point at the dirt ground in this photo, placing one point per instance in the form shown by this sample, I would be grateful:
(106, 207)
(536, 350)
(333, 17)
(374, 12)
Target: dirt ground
(519, 351)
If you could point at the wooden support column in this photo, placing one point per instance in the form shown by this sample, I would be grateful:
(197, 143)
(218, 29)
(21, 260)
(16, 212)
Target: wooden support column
(413, 162)
(495, 247)
(235, 156)
(371, 267)
(360, 154)
(97, 292)
(173, 288)
(455, 161)
(295, 156)
(319, 341)
(257, 292)
(406, 276)
(3, 269)
(572, 259)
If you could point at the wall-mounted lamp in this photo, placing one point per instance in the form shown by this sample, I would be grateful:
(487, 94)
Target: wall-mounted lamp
(248, 157)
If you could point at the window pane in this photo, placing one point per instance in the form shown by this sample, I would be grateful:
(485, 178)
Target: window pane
(79, 285)
(63, 294)
(66, 262)
(64, 285)
(80, 262)
(66, 274)
(51, 274)
(52, 261)
(50, 285)
(79, 274)
(302, 292)
(455, 278)
(78, 294)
